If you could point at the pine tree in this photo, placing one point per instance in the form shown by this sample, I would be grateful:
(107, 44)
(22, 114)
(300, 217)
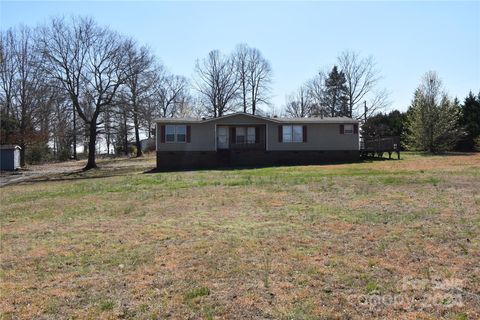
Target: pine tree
(433, 119)
(335, 97)
(470, 120)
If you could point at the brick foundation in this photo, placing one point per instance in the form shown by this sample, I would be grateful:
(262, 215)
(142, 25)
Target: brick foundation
(185, 160)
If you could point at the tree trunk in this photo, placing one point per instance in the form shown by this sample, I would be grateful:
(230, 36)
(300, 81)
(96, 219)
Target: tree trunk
(74, 135)
(108, 144)
(137, 132)
(125, 137)
(254, 104)
(22, 155)
(244, 91)
(92, 144)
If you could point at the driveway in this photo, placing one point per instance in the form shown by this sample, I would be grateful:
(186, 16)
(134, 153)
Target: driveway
(41, 170)
(33, 172)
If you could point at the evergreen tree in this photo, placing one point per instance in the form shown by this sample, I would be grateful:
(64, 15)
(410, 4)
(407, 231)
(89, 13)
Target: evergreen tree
(433, 119)
(384, 125)
(335, 97)
(470, 121)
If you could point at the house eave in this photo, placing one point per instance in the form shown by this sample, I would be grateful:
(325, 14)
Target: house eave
(273, 120)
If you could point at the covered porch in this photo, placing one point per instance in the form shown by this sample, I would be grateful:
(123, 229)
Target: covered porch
(241, 137)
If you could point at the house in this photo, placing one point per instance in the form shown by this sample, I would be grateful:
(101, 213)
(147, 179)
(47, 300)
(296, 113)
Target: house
(241, 139)
(9, 157)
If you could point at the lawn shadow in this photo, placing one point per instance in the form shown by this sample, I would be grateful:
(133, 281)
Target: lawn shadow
(444, 154)
(250, 167)
(80, 174)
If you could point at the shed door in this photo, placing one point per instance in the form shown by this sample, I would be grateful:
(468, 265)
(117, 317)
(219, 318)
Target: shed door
(222, 137)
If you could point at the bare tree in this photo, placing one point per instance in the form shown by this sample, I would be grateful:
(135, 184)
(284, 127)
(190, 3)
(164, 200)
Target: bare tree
(316, 89)
(61, 126)
(138, 83)
(217, 83)
(299, 104)
(254, 77)
(168, 97)
(8, 70)
(379, 100)
(186, 107)
(170, 93)
(25, 96)
(259, 78)
(361, 76)
(88, 60)
(240, 57)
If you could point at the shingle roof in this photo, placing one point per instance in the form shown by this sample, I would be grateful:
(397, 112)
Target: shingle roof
(272, 119)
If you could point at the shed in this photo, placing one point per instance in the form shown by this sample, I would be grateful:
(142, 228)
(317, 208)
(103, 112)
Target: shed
(9, 157)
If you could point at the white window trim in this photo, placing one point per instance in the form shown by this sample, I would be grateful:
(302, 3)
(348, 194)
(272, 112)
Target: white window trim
(292, 135)
(175, 134)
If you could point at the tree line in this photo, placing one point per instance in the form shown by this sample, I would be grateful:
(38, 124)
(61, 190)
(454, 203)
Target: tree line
(65, 83)
(434, 122)
(71, 82)
(349, 89)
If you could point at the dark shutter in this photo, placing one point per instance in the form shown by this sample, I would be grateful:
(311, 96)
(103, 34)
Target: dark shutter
(232, 135)
(342, 131)
(280, 133)
(355, 128)
(189, 133)
(257, 135)
(304, 133)
(162, 134)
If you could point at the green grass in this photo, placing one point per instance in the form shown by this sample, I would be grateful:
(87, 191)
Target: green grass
(106, 305)
(281, 242)
(197, 292)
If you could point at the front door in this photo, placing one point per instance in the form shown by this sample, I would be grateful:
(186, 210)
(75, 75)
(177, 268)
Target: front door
(222, 137)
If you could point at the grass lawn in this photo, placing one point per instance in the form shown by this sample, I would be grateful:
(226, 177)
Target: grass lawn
(385, 239)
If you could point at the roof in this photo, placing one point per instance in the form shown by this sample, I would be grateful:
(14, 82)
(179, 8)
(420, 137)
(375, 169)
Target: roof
(271, 119)
(9, 146)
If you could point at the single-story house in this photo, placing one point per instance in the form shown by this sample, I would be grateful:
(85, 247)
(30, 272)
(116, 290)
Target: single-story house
(241, 139)
(9, 157)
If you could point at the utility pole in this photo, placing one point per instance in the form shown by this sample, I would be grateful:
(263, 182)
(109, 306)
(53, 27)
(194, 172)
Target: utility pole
(366, 109)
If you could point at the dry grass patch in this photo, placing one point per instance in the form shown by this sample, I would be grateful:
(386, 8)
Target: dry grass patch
(312, 242)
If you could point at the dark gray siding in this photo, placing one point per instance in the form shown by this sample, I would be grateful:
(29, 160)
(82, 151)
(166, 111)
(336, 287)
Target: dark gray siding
(7, 159)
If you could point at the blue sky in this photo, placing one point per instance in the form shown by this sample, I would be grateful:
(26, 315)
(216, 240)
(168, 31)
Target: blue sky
(299, 38)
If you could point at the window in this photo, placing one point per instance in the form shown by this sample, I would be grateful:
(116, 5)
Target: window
(176, 133)
(170, 133)
(240, 133)
(292, 134)
(297, 134)
(250, 135)
(181, 132)
(287, 133)
(348, 129)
